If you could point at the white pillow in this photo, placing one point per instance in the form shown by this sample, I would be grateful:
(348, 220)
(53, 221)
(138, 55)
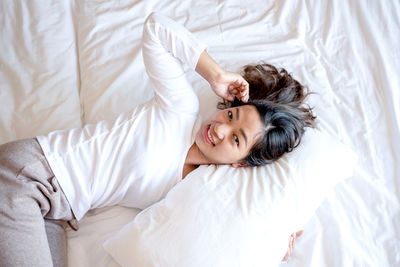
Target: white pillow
(221, 216)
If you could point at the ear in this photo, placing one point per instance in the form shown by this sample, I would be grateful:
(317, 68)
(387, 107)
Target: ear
(239, 164)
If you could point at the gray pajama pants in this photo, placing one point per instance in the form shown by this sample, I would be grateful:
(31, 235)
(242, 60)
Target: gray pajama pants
(33, 209)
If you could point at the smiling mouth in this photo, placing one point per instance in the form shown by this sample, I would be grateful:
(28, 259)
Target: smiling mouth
(209, 137)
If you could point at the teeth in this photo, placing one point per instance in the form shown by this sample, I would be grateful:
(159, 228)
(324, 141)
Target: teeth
(209, 136)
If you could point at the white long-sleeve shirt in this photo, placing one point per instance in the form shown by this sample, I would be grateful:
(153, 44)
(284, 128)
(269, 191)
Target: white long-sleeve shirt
(138, 158)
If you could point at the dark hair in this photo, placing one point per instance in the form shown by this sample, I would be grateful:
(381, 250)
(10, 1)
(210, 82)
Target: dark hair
(269, 83)
(279, 100)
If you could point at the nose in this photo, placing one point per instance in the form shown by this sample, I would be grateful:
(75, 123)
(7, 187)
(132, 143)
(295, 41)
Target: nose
(222, 130)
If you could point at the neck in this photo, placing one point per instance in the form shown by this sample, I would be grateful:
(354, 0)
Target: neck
(194, 157)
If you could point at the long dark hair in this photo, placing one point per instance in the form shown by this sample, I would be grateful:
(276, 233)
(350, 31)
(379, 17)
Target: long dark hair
(279, 99)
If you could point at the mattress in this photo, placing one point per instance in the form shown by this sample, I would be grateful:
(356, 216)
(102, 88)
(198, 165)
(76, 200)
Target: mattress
(64, 64)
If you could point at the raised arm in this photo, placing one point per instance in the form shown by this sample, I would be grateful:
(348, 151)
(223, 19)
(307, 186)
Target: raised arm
(167, 45)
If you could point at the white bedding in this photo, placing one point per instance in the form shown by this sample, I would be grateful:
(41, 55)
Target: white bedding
(67, 63)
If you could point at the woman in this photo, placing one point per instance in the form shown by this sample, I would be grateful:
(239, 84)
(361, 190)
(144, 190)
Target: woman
(135, 160)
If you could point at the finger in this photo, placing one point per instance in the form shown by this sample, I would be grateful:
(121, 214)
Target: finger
(244, 93)
(243, 82)
(245, 87)
(299, 233)
(245, 96)
(292, 243)
(235, 92)
(229, 97)
(286, 257)
(241, 86)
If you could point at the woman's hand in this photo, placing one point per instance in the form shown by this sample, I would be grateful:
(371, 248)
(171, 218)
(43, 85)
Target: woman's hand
(228, 85)
(292, 240)
(224, 83)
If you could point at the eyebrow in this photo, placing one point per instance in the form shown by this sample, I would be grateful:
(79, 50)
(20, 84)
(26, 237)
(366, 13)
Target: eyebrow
(241, 130)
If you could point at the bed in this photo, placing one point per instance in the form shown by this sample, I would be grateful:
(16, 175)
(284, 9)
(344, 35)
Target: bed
(64, 64)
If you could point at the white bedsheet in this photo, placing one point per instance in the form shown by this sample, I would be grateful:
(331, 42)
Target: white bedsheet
(67, 63)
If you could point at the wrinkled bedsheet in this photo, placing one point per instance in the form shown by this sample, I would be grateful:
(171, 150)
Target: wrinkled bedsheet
(67, 63)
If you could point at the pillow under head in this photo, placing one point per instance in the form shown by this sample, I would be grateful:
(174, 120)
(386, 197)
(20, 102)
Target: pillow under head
(222, 216)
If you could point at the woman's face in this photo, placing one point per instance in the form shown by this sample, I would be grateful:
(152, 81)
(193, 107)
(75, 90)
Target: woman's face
(228, 136)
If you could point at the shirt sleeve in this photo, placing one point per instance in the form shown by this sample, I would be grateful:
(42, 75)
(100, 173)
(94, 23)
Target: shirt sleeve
(167, 45)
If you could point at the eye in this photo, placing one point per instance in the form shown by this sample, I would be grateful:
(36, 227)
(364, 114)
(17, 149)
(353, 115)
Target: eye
(230, 114)
(236, 139)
